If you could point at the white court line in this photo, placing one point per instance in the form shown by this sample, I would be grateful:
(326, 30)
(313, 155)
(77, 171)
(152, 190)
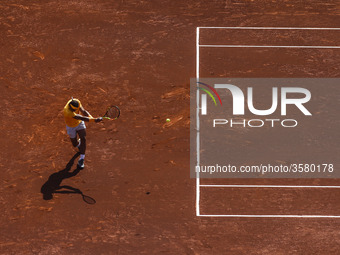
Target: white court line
(271, 46)
(276, 28)
(197, 123)
(269, 216)
(268, 186)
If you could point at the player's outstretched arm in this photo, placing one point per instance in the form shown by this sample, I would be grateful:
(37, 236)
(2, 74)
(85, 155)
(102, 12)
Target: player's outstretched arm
(88, 119)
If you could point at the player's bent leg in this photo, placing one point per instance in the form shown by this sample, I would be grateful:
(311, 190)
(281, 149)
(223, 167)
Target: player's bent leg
(82, 136)
(71, 131)
(82, 148)
(74, 142)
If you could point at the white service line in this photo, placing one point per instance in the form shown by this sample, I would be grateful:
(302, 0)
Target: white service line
(270, 216)
(268, 186)
(276, 28)
(271, 46)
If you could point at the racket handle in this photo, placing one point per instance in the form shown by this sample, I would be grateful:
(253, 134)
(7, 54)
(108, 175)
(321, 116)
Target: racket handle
(107, 118)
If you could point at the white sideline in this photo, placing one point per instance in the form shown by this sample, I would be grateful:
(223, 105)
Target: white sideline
(197, 122)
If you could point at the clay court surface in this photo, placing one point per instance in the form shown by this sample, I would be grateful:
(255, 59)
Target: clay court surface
(140, 56)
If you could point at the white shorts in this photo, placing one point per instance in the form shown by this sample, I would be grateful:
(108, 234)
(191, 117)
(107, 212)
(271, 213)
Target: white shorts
(72, 131)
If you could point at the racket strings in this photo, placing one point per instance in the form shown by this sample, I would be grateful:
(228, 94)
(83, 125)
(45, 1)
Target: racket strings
(112, 112)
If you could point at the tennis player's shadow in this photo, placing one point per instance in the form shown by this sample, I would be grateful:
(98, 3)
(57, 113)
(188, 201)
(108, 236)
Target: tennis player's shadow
(53, 184)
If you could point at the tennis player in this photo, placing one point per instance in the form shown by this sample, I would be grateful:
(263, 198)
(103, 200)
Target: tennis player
(75, 116)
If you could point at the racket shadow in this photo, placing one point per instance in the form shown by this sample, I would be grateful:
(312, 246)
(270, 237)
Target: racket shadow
(53, 184)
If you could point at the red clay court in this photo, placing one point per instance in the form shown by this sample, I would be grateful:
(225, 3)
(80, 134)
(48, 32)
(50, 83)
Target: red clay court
(140, 55)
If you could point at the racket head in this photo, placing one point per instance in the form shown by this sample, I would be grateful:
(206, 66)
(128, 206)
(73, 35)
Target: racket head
(89, 200)
(113, 112)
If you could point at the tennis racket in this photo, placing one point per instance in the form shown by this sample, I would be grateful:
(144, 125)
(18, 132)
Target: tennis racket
(112, 113)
